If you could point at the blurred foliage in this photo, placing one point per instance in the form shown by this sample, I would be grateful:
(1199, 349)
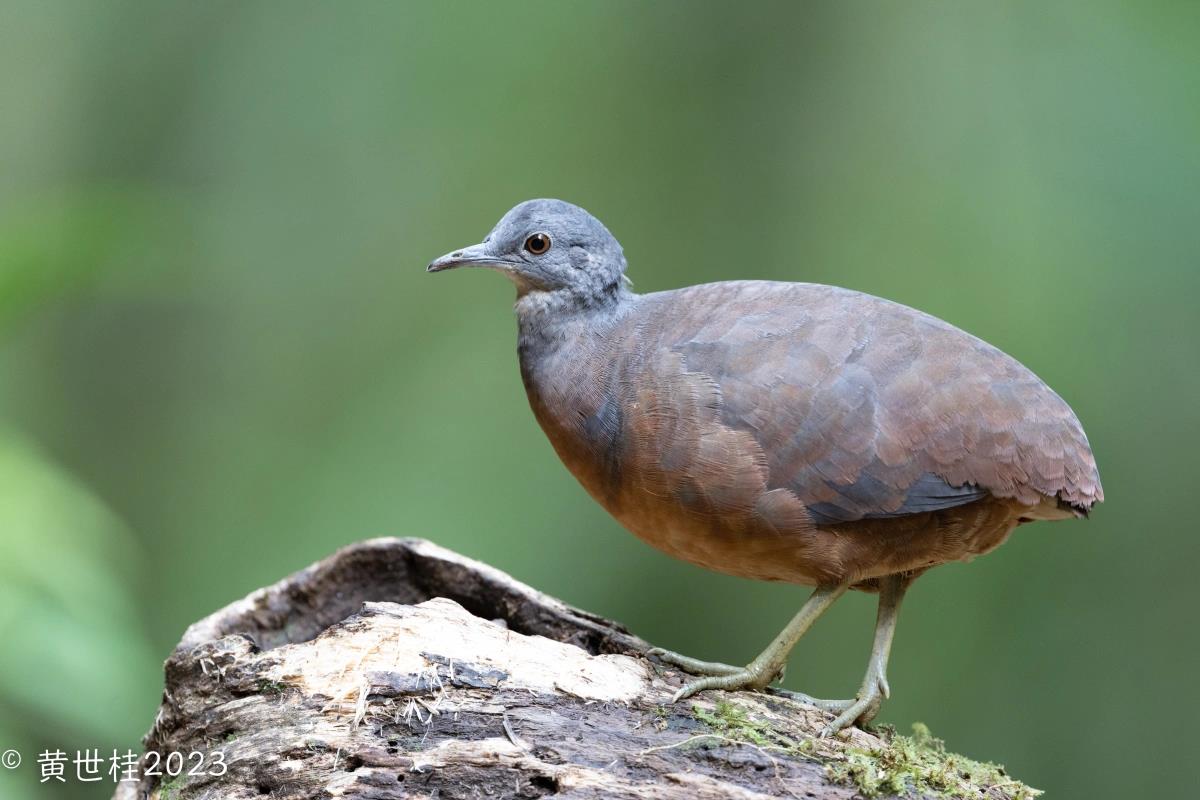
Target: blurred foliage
(75, 653)
(65, 575)
(214, 219)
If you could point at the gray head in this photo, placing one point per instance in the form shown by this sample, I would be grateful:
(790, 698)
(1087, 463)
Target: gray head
(548, 246)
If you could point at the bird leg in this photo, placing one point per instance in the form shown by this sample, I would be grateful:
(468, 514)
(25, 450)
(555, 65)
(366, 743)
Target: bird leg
(863, 708)
(764, 669)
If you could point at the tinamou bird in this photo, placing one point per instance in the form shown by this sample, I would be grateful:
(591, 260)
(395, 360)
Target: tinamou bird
(781, 431)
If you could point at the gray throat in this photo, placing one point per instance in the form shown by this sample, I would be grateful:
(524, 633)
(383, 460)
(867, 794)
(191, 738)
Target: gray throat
(549, 320)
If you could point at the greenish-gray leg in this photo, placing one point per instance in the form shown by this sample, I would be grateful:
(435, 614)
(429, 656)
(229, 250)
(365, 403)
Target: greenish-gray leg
(762, 670)
(875, 689)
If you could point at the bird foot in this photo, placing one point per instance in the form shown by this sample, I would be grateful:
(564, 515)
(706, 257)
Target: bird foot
(742, 678)
(834, 706)
(861, 710)
(716, 675)
(693, 665)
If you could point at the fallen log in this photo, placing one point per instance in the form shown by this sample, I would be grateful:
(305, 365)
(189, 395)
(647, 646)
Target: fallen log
(397, 669)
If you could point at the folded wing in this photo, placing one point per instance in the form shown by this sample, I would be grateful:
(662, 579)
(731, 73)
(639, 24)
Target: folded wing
(864, 408)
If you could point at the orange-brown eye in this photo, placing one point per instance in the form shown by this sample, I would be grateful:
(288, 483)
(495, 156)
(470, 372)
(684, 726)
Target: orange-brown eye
(538, 244)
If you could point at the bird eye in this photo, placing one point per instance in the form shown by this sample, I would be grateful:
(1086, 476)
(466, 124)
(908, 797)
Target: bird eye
(538, 244)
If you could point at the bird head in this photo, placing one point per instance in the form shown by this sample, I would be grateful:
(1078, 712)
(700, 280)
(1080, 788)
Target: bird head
(548, 246)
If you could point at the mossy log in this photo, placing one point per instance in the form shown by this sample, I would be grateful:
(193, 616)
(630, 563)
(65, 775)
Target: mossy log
(398, 669)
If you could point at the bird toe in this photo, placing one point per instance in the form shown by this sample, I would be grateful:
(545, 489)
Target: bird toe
(692, 665)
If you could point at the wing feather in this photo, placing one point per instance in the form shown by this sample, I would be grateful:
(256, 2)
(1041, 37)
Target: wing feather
(865, 408)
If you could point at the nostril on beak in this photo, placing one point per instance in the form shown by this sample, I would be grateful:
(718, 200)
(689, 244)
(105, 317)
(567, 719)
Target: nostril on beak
(456, 254)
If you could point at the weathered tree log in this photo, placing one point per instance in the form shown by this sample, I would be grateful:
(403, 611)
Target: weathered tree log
(395, 668)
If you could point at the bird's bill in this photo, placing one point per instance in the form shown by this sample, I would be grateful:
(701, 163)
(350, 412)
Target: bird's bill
(474, 256)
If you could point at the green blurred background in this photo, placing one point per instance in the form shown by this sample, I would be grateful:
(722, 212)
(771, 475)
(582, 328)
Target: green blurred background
(221, 357)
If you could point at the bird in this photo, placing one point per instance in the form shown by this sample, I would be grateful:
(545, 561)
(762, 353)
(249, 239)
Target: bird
(780, 431)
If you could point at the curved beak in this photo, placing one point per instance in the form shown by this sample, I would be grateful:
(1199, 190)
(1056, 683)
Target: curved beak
(476, 255)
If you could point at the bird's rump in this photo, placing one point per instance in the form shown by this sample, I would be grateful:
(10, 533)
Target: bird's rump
(861, 407)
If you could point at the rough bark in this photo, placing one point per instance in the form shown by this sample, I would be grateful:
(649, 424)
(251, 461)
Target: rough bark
(395, 668)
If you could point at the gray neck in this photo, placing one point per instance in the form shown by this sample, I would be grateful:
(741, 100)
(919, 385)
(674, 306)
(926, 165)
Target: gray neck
(548, 319)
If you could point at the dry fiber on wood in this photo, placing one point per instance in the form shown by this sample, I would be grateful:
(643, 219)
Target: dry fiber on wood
(395, 668)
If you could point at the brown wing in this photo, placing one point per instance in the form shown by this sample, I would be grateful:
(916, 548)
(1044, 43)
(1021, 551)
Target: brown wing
(864, 408)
